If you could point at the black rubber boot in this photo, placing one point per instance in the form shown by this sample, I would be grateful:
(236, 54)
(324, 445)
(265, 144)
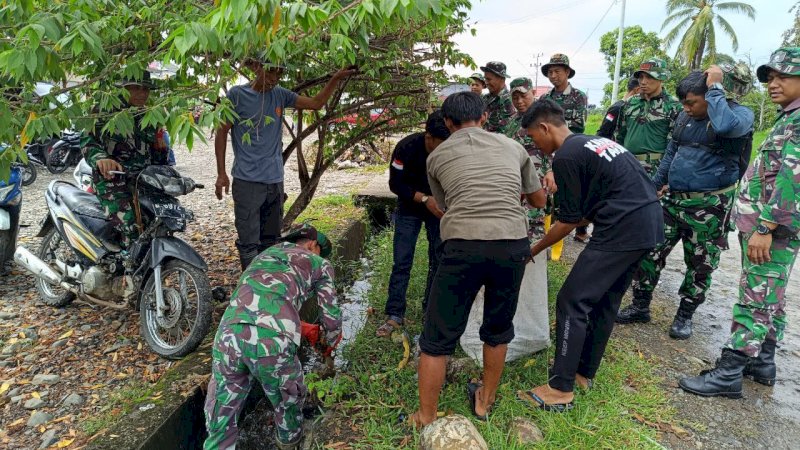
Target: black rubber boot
(724, 380)
(682, 323)
(761, 369)
(637, 312)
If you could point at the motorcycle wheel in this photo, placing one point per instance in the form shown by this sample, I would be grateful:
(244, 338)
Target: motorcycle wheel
(28, 173)
(187, 295)
(55, 160)
(52, 246)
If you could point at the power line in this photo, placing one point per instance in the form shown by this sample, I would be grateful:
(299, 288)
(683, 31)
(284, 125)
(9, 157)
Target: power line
(613, 2)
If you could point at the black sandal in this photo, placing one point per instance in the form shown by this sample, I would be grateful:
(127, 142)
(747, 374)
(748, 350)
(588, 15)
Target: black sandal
(529, 398)
(472, 393)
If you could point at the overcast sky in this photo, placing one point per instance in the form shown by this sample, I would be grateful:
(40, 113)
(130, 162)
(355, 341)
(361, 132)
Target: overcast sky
(514, 31)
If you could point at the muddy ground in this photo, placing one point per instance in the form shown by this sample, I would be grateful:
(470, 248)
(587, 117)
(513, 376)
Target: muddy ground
(95, 352)
(767, 417)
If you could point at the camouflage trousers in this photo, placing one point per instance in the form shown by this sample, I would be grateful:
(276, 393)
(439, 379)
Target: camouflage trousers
(700, 223)
(116, 199)
(649, 162)
(760, 314)
(242, 353)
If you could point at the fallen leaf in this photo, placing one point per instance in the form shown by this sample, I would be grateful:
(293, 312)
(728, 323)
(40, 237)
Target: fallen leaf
(16, 422)
(35, 394)
(22, 335)
(66, 335)
(65, 443)
(4, 387)
(42, 428)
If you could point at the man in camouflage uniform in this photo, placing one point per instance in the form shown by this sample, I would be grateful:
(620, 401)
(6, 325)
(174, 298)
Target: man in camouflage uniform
(522, 97)
(498, 101)
(259, 336)
(572, 101)
(768, 218)
(700, 168)
(647, 119)
(130, 154)
(477, 83)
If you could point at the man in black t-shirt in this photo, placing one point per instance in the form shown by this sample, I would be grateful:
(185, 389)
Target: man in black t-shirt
(611, 118)
(599, 182)
(408, 178)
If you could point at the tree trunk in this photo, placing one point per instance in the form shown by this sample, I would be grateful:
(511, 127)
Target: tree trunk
(697, 61)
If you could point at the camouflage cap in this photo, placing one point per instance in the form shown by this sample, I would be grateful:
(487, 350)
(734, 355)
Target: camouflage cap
(785, 60)
(522, 85)
(737, 78)
(655, 67)
(559, 59)
(306, 231)
(478, 76)
(497, 68)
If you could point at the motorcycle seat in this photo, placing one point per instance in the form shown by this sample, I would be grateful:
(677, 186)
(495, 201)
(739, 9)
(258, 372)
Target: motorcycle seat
(80, 202)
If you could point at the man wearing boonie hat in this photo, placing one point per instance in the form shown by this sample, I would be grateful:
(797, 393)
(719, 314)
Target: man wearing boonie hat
(260, 333)
(477, 83)
(647, 119)
(767, 214)
(573, 102)
(498, 101)
(258, 158)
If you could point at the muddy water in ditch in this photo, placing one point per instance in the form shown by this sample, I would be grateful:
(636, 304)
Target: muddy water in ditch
(257, 428)
(712, 323)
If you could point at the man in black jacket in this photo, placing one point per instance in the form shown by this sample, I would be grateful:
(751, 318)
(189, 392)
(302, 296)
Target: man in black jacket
(408, 178)
(610, 120)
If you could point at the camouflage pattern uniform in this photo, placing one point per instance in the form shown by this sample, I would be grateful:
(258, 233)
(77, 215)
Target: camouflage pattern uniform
(259, 337)
(770, 192)
(133, 153)
(514, 130)
(573, 102)
(645, 126)
(499, 108)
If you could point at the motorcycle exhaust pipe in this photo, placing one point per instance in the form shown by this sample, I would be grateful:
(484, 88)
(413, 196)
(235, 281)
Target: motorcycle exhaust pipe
(36, 266)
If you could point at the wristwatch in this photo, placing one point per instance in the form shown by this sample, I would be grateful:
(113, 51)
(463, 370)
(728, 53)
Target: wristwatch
(424, 199)
(717, 85)
(763, 229)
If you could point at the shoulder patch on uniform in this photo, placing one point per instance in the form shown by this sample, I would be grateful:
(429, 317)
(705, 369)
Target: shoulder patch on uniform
(397, 164)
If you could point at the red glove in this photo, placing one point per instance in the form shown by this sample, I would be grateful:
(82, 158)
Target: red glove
(309, 332)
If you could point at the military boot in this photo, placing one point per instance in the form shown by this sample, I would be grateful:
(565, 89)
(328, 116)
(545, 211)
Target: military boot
(761, 369)
(682, 323)
(637, 312)
(724, 380)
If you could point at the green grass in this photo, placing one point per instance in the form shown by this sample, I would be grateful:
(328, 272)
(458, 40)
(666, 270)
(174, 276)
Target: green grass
(373, 392)
(119, 404)
(758, 138)
(329, 213)
(593, 123)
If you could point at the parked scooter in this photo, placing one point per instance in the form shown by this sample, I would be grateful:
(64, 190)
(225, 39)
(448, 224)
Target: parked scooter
(66, 152)
(160, 275)
(10, 206)
(37, 156)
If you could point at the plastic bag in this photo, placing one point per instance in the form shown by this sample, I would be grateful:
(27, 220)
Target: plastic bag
(531, 322)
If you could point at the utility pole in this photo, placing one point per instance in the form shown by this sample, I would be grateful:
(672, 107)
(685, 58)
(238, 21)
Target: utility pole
(536, 66)
(615, 87)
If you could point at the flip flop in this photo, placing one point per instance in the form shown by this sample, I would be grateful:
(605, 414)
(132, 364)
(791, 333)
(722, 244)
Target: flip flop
(589, 385)
(529, 398)
(387, 328)
(582, 240)
(472, 391)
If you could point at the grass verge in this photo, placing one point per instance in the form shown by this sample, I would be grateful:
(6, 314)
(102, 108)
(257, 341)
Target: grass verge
(373, 392)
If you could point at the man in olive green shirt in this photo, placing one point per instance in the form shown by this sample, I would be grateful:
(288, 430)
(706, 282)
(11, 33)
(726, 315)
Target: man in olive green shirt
(646, 120)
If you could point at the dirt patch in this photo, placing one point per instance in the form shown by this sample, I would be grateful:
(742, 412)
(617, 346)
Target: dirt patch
(765, 417)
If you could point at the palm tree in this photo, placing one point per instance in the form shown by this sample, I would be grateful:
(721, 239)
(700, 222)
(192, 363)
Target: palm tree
(698, 18)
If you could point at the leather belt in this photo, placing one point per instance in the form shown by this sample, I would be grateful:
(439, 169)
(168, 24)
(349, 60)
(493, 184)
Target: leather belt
(647, 157)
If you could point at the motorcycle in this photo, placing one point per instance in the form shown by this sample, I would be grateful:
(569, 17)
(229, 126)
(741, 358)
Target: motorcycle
(10, 206)
(160, 275)
(66, 152)
(37, 156)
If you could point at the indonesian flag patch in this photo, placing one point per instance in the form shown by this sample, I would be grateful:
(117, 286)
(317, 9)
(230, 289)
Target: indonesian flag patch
(609, 117)
(397, 164)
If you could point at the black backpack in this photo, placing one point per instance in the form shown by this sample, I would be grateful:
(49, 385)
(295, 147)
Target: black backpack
(743, 146)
